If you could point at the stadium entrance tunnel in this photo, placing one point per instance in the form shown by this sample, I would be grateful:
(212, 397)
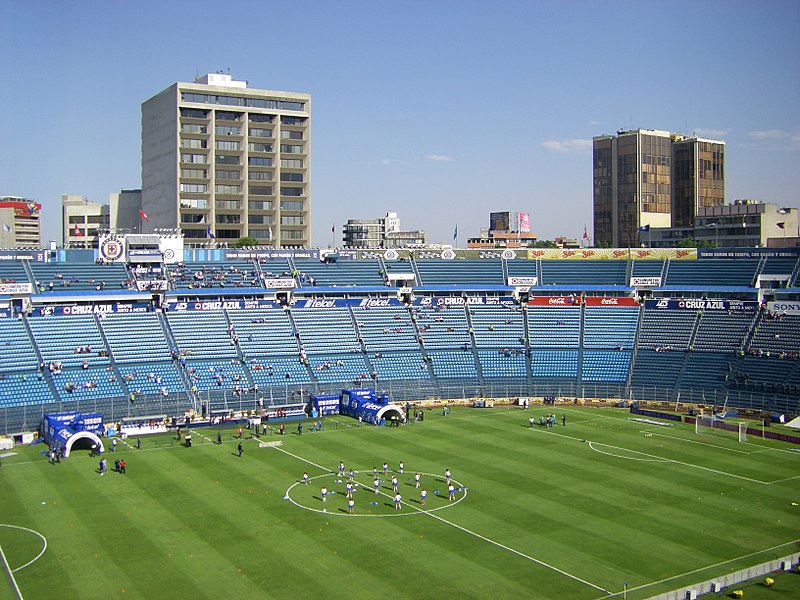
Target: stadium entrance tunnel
(83, 440)
(389, 412)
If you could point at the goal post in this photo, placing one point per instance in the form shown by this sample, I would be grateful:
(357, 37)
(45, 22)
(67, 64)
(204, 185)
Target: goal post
(705, 422)
(743, 431)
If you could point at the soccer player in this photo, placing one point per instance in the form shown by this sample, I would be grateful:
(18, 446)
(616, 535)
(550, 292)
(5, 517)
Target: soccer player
(417, 477)
(374, 472)
(451, 491)
(351, 506)
(377, 485)
(447, 475)
(394, 484)
(341, 469)
(402, 468)
(385, 469)
(324, 493)
(397, 500)
(423, 497)
(305, 477)
(349, 488)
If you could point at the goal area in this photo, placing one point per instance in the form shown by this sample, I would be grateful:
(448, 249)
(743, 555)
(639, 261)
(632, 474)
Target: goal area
(703, 423)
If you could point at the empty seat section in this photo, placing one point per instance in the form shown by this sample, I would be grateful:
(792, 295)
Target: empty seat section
(666, 329)
(86, 384)
(346, 369)
(202, 335)
(776, 335)
(610, 327)
(271, 371)
(326, 331)
(703, 372)
(70, 340)
(62, 277)
(554, 327)
(712, 272)
(215, 375)
(264, 332)
(719, 331)
(554, 363)
(386, 328)
(342, 273)
(608, 365)
(135, 337)
(400, 365)
(450, 365)
(659, 370)
(202, 275)
(459, 272)
(503, 363)
(152, 378)
(442, 327)
(497, 326)
(16, 349)
(584, 272)
(24, 389)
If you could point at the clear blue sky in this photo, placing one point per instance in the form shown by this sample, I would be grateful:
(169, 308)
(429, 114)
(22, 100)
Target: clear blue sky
(441, 111)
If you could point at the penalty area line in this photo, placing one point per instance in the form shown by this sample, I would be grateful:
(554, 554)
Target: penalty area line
(468, 531)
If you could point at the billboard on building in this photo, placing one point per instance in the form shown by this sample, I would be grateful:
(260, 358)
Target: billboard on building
(500, 221)
(523, 222)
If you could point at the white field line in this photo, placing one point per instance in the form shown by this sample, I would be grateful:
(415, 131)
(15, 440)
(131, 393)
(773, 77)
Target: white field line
(10, 573)
(470, 532)
(701, 569)
(670, 460)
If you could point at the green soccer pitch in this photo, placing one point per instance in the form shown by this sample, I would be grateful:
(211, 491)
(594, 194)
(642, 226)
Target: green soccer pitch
(601, 506)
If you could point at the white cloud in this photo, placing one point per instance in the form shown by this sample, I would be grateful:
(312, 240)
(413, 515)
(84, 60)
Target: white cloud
(568, 146)
(768, 134)
(389, 161)
(711, 133)
(439, 157)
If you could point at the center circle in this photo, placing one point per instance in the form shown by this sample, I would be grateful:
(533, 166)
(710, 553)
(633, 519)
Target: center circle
(369, 504)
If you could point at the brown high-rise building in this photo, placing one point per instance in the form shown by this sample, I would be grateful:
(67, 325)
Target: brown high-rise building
(650, 178)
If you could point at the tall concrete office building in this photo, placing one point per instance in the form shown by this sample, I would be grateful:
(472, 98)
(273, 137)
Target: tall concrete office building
(222, 161)
(650, 179)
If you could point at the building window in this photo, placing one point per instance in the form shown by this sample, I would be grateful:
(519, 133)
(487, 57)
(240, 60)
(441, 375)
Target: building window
(292, 163)
(228, 130)
(261, 190)
(225, 174)
(194, 173)
(193, 113)
(259, 175)
(226, 145)
(193, 143)
(291, 191)
(193, 234)
(291, 205)
(261, 234)
(256, 161)
(224, 159)
(193, 128)
(257, 118)
(227, 188)
(227, 116)
(260, 205)
(193, 158)
(194, 203)
(292, 148)
(298, 220)
(188, 218)
(255, 147)
(227, 219)
(294, 234)
(291, 135)
(292, 177)
(226, 204)
(228, 234)
(259, 132)
(293, 120)
(195, 188)
(259, 219)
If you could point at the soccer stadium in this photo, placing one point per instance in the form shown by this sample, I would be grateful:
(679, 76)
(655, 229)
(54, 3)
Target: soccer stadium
(617, 422)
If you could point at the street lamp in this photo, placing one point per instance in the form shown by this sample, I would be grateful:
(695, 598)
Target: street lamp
(716, 232)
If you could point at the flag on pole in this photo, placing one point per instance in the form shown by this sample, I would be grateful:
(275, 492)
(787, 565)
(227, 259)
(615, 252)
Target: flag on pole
(76, 230)
(6, 227)
(211, 233)
(455, 233)
(781, 225)
(645, 227)
(333, 228)
(270, 233)
(143, 215)
(585, 233)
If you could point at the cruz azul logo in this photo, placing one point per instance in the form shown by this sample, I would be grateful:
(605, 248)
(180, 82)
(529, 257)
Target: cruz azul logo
(111, 249)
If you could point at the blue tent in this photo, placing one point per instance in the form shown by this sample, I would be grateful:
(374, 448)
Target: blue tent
(62, 430)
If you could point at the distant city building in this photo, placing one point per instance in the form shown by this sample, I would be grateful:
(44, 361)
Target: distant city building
(20, 222)
(645, 179)
(126, 211)
(81, 221)
(222, 161)
(380, 233)
(506, 230)
(742, 224)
